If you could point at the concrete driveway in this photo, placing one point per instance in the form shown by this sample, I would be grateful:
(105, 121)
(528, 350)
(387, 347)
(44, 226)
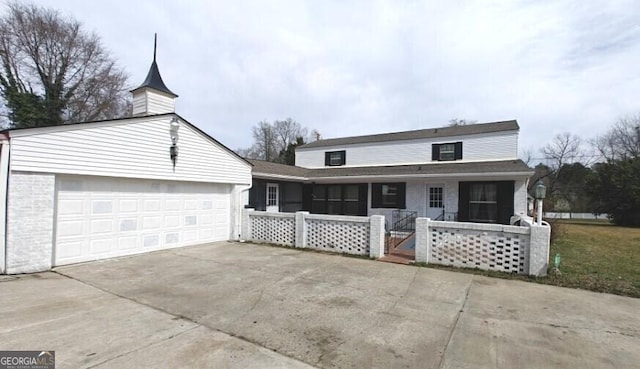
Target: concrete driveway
(233, 305)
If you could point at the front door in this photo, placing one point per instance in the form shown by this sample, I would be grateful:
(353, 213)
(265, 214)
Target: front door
(435, 202)
(272, 197)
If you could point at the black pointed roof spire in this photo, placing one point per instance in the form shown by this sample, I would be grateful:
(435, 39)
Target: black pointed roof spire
(154, 80)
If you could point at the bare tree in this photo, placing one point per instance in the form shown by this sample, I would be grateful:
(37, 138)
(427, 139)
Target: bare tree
(461, 122)
(286, 132)
(564, 160)
(53, 72)
(622, 141)
(276, 141)
(527, 156)
(565, 148)
(265, 145)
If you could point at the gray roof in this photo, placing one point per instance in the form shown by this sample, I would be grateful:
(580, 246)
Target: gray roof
(469, 129)
(268, 169)
(154, 80)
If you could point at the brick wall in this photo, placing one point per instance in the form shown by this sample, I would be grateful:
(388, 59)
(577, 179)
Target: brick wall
(30, 207)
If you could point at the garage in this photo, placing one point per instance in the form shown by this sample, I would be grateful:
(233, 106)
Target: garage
(95, 190)
(99, 218)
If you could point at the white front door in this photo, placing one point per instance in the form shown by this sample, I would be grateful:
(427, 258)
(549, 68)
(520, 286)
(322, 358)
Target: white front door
(435, 202)
(272, 197)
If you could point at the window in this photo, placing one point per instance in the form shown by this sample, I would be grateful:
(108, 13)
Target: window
(435, 197)
(272, 194)
(446, 151)
(335, 158)
(334, 199)
(388, 195)
(483, 202)
(342, 199)
(486, 202)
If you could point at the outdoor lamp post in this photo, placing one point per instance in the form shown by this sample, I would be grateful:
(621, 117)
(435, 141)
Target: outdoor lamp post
(173, 133)
(541, 192)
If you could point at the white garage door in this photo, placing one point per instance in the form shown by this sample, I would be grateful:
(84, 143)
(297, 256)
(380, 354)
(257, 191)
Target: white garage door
(98, 218)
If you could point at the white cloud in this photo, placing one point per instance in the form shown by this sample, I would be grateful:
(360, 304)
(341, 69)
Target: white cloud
(368, 67)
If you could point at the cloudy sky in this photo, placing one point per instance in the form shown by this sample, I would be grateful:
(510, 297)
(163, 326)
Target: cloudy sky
(362, 67)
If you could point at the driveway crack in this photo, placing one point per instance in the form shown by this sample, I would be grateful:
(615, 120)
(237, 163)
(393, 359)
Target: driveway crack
(144, 346)
(455, 324)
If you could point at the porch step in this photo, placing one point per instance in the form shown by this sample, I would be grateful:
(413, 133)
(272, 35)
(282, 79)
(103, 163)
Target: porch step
(397, 259)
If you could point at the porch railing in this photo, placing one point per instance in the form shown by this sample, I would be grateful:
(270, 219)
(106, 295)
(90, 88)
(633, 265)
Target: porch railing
(403, 225)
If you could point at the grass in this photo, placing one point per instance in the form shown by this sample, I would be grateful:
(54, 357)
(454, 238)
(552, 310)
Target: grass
(597, 256)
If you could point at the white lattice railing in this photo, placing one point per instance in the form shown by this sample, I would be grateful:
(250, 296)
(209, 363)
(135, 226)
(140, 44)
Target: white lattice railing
(345, 234)
(483, 246)
(278, 228)
(506, 248)
(334, 233)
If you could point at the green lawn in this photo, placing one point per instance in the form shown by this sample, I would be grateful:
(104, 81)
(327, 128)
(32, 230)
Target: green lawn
(597, 256)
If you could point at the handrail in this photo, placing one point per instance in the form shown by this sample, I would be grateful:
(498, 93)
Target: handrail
(403, 224)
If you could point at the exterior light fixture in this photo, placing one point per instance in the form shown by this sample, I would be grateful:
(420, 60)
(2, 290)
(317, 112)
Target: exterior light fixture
(173, 133)
(540, 194)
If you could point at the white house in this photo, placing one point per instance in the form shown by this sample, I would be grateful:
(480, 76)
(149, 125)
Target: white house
(465, 173)
(96, 190)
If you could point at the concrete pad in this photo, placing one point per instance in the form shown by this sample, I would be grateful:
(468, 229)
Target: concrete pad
(325, 310)
(242, 305)
(517, 324)
(90, 328)
(202, 348)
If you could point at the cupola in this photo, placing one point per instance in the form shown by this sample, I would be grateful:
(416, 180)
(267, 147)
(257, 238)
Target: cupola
(153, 96)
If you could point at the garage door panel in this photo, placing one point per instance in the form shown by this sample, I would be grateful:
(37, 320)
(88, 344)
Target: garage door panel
(69, 249)
(172, 221)
(101, 218)
(100, 246)
(70, 228)
(127, 243)
(128, 205)
(101, 226)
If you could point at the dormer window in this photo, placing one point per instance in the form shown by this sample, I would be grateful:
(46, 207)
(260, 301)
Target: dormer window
(335, 158)
(446, 151)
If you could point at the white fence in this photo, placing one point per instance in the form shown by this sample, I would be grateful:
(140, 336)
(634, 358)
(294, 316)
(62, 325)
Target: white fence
(520, 249)
(334, 233)
(504, 248)
(556, 215)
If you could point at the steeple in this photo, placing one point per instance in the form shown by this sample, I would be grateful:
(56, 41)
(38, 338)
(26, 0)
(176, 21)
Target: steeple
(153, 96)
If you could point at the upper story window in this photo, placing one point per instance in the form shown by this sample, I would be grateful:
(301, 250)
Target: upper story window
(335, 158)
(446, 151)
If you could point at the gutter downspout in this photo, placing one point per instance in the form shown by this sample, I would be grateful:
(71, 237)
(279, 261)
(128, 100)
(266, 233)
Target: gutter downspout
(5, 150)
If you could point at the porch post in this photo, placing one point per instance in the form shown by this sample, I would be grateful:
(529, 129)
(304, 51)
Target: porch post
(245, 234)
(423, 241)
(539, 250)
(301, 229)
(376, 236)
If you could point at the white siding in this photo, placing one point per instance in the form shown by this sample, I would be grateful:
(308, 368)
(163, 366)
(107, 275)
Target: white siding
(149, 102)
(139, 103)
(159, 103)
(520, 197)
(492, 146)
(133, 148)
